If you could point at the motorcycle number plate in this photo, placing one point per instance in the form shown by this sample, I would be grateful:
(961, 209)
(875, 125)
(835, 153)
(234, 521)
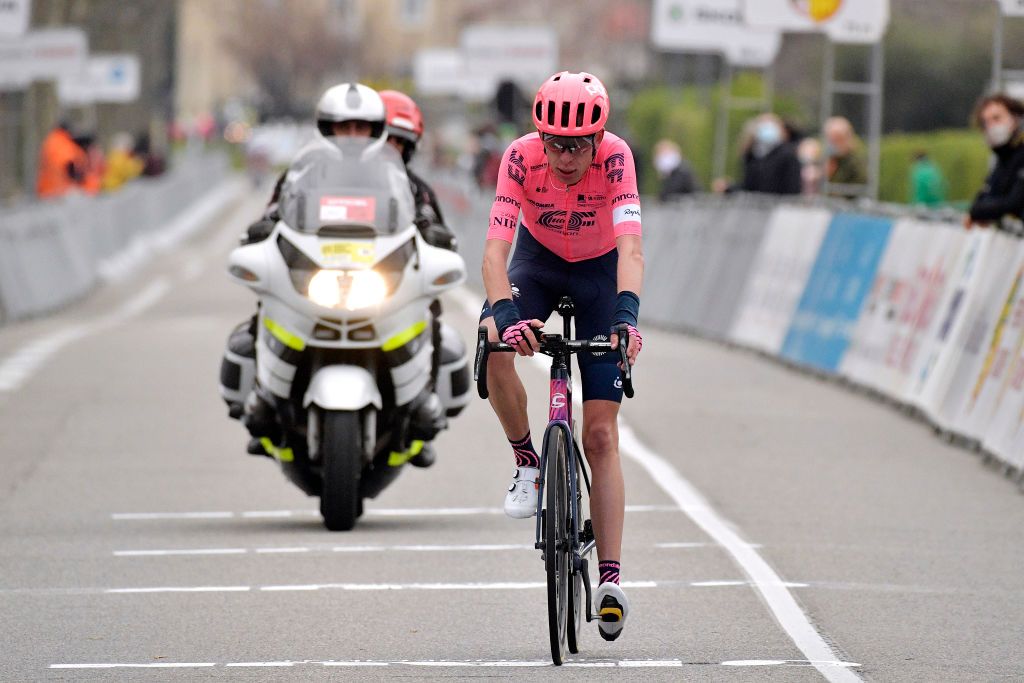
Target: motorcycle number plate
(344, 209)
(354, 252)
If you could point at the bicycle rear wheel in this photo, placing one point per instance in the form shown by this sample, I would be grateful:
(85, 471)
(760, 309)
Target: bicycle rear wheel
(556, 541)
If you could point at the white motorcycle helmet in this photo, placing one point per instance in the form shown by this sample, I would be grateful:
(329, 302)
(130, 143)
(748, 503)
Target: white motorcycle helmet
(351, 102)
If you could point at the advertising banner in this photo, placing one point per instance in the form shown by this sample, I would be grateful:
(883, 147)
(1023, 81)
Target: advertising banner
(46, 54)
(976, 381)
(940, 248)
(892, 293)
(934, 365)
(712, 26)
(843, 21)
(836, 289)
(778, 276)
(1004, 436)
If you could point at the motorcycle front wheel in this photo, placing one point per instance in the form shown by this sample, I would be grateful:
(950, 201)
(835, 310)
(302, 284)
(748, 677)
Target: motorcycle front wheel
(341, 452)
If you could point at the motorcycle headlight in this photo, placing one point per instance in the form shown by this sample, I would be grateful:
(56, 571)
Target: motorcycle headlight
(347, 289)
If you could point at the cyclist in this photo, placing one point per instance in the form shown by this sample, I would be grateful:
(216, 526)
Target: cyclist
(575, 185)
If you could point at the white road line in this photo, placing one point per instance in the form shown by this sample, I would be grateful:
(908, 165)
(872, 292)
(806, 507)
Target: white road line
(380, 512)
(156, 665)
(774, 591)
(419, 548)
(765, 580)
(468, 663)
(423, 586)
(184, 551)
(181, 589)
(17, 368)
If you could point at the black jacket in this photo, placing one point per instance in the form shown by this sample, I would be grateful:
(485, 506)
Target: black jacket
(680, 181)
(777, 172)
(1003, 191)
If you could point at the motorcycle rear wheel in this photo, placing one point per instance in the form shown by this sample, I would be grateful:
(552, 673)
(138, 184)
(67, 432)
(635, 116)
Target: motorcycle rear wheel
(341, 452)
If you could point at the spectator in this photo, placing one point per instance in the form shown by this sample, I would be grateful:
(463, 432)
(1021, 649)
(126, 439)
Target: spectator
(153, 162)
(122, 165)
(62, 163)
(95, 163)
(999, 117)
(846, 164)
(770, 163)
(927, 184)
(675, 172)
(808, 152)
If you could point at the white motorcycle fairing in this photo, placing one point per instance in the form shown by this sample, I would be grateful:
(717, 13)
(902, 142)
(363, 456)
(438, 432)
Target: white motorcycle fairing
(342, 387)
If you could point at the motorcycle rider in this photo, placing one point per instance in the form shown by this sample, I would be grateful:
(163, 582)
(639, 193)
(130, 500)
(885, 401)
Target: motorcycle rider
(405, 128)
(345, 110)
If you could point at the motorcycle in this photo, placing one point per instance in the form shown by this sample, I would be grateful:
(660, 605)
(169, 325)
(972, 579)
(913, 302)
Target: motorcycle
(348, 372)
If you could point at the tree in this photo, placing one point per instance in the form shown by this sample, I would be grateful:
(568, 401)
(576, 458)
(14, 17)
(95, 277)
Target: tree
(290, 50)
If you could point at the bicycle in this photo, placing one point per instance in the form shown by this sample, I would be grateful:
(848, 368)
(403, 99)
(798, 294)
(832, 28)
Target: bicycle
(563, 537)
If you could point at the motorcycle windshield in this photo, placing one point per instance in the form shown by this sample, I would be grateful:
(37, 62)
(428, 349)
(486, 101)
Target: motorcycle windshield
(347, 185)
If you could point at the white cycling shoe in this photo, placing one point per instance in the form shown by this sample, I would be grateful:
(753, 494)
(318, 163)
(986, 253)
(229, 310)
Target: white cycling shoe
(521, 499)
(612, 608)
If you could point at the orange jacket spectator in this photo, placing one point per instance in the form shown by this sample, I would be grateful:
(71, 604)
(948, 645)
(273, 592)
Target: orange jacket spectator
(62, 164)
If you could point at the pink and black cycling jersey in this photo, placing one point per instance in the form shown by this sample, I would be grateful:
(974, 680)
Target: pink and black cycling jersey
(578, 222)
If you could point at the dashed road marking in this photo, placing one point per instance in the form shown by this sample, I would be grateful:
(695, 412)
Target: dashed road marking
(380, 512)
(468, 663)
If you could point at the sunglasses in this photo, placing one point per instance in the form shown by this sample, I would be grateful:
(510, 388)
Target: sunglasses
(557, 144)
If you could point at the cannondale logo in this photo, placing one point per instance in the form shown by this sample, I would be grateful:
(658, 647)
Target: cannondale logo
(558, 401)
(555, 220)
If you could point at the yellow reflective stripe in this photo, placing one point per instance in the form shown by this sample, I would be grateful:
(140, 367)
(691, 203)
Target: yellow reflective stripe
(396, 459)
(282, 454)
(284, 336)
(405, 336)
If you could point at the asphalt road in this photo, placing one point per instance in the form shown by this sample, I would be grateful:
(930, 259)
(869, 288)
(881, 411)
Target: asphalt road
(138, 540)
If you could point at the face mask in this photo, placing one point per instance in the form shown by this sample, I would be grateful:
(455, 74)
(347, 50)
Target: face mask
(768, 134)
(998, 134)
(665, 162)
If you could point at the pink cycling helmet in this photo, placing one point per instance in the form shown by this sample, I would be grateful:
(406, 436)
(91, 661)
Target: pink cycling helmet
(571, 104)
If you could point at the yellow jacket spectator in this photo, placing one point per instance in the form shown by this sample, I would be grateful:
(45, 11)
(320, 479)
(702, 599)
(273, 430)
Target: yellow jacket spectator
(122, 165)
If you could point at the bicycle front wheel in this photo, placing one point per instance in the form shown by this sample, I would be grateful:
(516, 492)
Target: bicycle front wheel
(556, 540)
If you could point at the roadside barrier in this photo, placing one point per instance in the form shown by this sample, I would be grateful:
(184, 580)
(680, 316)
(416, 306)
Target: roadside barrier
(910, 306)
(52, 253)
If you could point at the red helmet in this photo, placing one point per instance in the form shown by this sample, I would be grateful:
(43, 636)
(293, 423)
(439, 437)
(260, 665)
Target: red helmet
(571, 104)
(404, 118)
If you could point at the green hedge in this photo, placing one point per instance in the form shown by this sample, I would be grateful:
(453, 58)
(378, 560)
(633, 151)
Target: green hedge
(962, 156)
(687, 116)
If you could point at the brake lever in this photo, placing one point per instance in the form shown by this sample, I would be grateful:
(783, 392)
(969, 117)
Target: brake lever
(480, 363)
(625, 370)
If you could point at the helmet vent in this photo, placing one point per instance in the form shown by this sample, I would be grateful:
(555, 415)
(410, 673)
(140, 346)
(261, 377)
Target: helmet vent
(586, 79)
(557, 78)
(551, 113)
(539, 110)
(566, 107)
(596, 116)
(352, 97)
(579, 115)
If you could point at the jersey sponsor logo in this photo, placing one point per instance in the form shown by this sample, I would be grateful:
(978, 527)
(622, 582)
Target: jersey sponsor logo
(516, 167)
(541, 205)
(555, 220)
(505, 199)
(542, 188)
(590, 198)
(615, 167)
(539, 167)
(507, 222)
(626, 213)
(624, 196)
